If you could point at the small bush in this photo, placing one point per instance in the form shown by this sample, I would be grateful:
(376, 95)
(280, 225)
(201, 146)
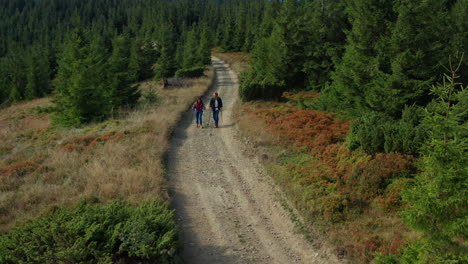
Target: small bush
(44, 110)
(149, 97)
(193, 72)
(375, 132)
(254, 87)
(94, 233)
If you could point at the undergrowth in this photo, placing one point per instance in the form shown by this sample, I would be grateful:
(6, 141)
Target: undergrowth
(352, 197)
(95, 233)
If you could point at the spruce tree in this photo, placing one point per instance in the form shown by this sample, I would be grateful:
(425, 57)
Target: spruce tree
(14, 75)
(166, 64)
(437, 201)
(191, 50)
(359, 81)
(287, 42)
(120, 91)
(459, 36)
(38, 73)
(204, 48)
(418, 48)
(325, 24)
(134, 63)
(80, 95)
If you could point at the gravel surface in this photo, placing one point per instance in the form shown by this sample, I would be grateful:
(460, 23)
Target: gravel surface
(226, 205)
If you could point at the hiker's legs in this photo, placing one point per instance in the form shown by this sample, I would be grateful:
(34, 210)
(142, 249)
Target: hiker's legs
(199, 117)
(216, 117)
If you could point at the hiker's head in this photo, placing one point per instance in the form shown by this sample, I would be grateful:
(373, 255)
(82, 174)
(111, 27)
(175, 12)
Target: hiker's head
(199, 100)
(215, 95)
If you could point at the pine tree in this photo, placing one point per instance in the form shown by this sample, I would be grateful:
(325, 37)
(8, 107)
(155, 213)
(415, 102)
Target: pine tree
(38, 74)
(80, 95)
(166, 64)
(437, 201)
(227, 31)
(120, 91)
(325, 25)
(191, 56)
(360, 78)
(134, 71)
(418, 48)
(459, 36)
(204, 48)
(269, 17)
(287, 42)
(16, 75)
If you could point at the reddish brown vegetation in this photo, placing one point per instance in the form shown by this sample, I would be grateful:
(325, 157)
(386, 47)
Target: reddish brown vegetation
(80, 144)
(12, 175)
(334, 187)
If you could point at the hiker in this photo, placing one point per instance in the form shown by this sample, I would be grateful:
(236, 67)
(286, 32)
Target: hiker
(199, 107)
(216, 105)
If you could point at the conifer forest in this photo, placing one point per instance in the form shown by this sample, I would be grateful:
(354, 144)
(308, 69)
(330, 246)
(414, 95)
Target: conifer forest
(395, 70)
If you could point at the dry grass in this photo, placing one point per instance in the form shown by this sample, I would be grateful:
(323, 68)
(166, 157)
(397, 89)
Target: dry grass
(42, 166)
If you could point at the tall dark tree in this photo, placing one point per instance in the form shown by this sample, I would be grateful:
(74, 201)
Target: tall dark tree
(359, 81)
(79, 83)
(326, 23)
(418, 48)
(204, 48)
(38, 74)
(166, 64)
(120, 91)
(191, 47)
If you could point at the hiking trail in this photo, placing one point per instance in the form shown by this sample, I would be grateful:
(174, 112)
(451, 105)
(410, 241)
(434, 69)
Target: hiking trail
(226, 205)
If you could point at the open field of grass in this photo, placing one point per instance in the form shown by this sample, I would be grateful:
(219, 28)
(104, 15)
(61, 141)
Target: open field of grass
(42, 166)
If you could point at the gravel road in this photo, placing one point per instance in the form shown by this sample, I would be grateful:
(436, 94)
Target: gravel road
(226, 205)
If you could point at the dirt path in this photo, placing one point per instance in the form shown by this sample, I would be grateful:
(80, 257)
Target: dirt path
(226, 206)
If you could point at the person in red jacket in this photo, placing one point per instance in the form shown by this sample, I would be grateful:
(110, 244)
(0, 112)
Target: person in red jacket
(199, 107)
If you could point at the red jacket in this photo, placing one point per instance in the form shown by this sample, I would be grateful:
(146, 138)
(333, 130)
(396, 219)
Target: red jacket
(198, 106)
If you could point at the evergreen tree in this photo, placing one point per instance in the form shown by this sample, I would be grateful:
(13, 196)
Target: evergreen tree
(459, 36)
(120, 91)
(204, 48)
(38, 74)
(166, 64)
(80, 82)
(437, 201)
(134, 64)
(15, 66)
(191, 50)
(418, 48)
(359, 79)
(325, 22)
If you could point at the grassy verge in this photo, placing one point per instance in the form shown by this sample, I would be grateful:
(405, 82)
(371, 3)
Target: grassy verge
(351, 197)
(42, 166)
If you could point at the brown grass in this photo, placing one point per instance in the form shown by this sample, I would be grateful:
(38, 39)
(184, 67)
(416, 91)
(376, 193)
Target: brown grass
(42, 166)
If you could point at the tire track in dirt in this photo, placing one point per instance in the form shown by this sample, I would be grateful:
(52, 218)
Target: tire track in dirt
(225, 203)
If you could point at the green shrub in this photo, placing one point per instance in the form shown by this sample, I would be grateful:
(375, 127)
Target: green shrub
(385, 259)
(375, 132)
(95, 233)
(253, 87)
(368, 132)
(193, 72)
(423, 252)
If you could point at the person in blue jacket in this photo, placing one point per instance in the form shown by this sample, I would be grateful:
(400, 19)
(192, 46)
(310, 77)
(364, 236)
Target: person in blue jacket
(216, 105)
